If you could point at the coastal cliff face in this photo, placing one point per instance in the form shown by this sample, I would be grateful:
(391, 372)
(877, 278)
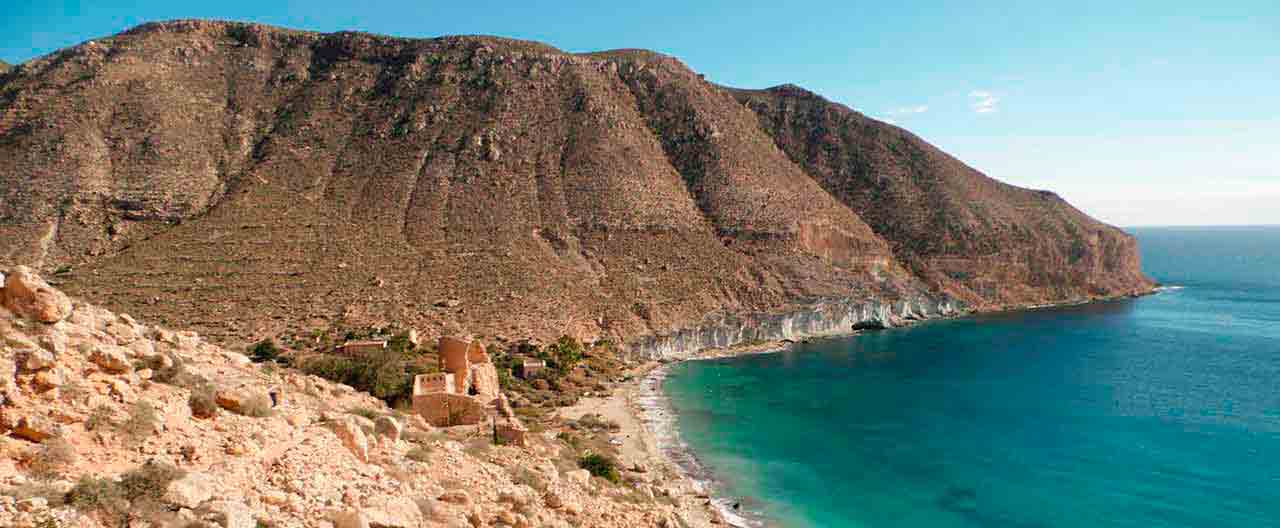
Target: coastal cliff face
(248, 181)
(819, 319)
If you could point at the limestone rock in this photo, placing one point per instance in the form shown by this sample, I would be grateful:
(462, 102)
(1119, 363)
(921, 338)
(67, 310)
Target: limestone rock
(348, 519)
(398, 512)
(552, 500)
(190, 491)
(365, 424)
(36, 428)
(458, 497)
(38, 359)
(352, 436)
(228, 514)
(235, 399)
(387, 427)
(29, 296)
(32, 504)
(581, 476)
(49, 379)
(54, 341)
(111, 358)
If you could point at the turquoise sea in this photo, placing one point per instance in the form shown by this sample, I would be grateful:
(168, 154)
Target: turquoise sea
(1152, 412)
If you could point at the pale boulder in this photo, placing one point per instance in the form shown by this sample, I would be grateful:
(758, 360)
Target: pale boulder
(228, 514)
(352, 436)
(581, 476)
(39, 359)
(111, 359)
(399, 512)
(190, 491)
(348, 519)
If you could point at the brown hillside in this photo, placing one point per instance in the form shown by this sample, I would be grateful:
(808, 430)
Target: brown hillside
(986, 242)
(246, 180)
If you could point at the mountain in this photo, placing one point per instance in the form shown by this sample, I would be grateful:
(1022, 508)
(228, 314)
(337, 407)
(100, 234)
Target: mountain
(246, 181)
(983, 241)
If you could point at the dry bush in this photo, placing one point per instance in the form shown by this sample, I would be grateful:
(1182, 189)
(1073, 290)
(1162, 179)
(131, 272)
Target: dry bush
(55, 455)
(97, 494)
(143, 422)
(100, 418)
(52, 494)
(203, 401)
(176, 374)
(528, 477)
(420, 453)
(365, 412)
(258, 406)
(136, 496)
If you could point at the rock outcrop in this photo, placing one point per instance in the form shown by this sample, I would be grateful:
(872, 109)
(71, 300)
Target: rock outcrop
(27, 295)
(343, 179)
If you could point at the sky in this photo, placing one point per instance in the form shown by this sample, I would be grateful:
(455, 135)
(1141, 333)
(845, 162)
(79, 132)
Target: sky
(1138, 112)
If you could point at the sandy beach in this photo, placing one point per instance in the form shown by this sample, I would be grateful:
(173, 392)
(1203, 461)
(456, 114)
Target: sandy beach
(647, 434)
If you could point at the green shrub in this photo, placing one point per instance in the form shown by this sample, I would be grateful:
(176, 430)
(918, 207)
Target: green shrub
(265, 350)
(562, 355)
(386, 374)
(602, 466)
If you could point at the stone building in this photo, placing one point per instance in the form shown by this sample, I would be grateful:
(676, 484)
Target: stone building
(528, 368)
(466, 392)
(360, 347)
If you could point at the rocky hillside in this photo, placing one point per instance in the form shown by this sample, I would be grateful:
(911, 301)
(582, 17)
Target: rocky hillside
(106, 421)
(248, 181)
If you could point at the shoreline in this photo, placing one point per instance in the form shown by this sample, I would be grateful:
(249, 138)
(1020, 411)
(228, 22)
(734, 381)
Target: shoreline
(651, 437)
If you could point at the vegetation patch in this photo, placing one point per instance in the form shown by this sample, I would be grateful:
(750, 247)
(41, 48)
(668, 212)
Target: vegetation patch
(602, 466)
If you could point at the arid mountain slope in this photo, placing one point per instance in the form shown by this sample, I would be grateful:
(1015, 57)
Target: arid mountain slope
(246, 180)
(983, 241)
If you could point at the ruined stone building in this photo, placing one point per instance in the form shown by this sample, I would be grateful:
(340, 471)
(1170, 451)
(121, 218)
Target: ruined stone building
(466, 392)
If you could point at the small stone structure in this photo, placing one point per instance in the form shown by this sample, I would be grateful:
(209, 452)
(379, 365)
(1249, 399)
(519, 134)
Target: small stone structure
(528, 368)
(466, 392)
(360, 347)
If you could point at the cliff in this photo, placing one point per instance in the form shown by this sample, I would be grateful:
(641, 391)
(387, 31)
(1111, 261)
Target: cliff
(248, 181)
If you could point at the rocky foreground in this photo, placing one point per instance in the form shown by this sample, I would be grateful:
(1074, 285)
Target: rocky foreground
(109, 422)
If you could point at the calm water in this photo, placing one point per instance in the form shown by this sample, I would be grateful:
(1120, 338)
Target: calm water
(1160, 411)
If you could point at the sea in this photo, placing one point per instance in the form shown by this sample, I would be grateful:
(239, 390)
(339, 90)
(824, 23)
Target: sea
(1160, 411)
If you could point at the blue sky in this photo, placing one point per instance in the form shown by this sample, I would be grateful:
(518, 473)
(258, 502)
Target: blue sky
(1138, 112)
